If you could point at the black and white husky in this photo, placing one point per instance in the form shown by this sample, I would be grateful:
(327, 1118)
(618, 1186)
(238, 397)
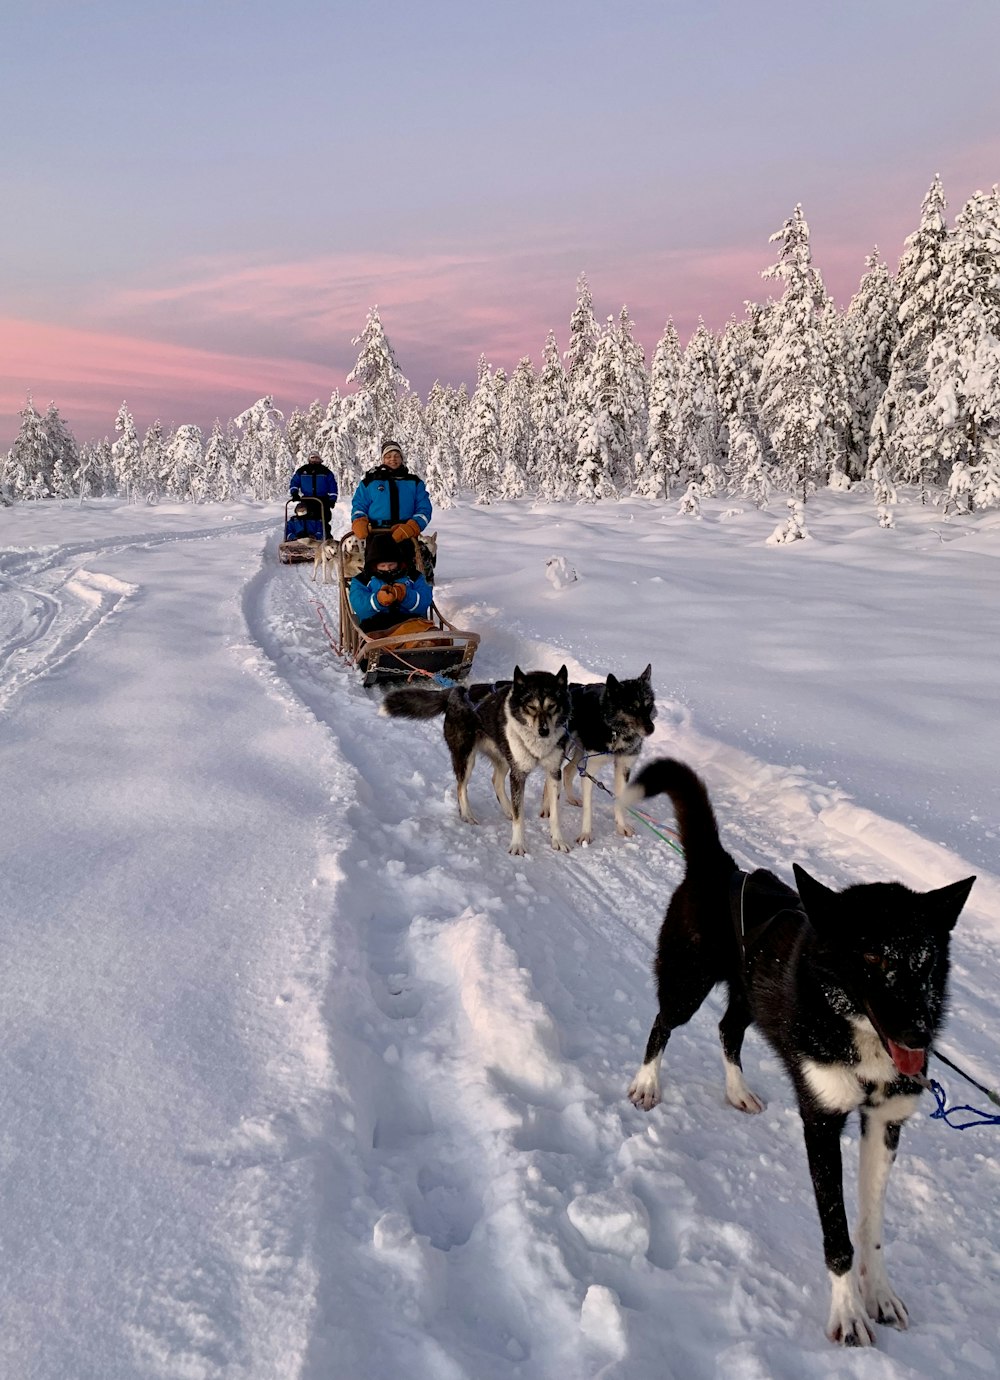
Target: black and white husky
(849, 988)
(519, 725)
(607, 721)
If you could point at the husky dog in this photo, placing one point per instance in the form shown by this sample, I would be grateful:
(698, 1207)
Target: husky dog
(324, 560)
(519, 725)
(849, 989)
(608, 720)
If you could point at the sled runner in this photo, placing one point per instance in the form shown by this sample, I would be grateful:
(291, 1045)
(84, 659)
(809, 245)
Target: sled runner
(303, 529)
(414, 649)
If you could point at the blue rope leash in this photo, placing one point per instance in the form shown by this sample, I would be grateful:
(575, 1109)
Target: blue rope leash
(942, 1112)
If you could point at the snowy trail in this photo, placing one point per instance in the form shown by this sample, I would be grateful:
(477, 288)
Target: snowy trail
(481, 985)
(302, 1076)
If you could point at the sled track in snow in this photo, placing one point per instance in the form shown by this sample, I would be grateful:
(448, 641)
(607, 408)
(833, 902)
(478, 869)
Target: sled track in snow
(52, 604)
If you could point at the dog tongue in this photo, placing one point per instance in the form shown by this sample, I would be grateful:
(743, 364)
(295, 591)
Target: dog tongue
(908, 1061)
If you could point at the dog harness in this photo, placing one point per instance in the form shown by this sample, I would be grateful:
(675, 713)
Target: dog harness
(756, 902)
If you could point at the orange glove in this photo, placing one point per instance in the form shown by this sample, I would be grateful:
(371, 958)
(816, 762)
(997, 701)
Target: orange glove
(405, 531)
(400, 591)
(360, 528)
(387, 595)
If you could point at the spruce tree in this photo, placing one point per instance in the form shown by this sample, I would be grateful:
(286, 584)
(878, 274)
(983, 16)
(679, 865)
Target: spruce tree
(481, 437)
(792, 392)
(660, 468)
(901, 436)
(378, 374)
(551, 461)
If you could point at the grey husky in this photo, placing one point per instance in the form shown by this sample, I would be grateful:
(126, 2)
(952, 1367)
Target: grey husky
(519, 725)
(607, 721)
(849, 988)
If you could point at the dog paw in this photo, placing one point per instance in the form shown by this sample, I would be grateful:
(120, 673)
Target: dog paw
(517, 850)
(584, 839)
(738, 1095)
(572, 799)
(848, 1323)
(543, 813)
(625, 830)
(644, 1090)
(880, 1301)
(560, 845)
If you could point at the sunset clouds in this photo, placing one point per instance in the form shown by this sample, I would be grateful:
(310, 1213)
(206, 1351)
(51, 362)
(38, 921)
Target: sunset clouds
(202, 202)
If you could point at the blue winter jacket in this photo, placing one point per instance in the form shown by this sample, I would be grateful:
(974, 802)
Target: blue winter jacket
(386, 497)
(416, 603)
(311, 526)
(314, 480)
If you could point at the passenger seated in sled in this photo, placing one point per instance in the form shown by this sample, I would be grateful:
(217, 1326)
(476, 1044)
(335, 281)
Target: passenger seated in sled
(315, 480)
(390, 590)
(305, 520)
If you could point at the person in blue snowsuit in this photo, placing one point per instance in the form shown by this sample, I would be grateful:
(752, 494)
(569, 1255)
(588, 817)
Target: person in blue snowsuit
(390, 496)
(389, 589)
(314, 480)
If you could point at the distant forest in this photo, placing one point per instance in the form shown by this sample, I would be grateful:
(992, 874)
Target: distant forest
(900, 389)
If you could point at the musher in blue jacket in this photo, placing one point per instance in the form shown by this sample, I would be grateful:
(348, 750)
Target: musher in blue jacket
(388, 590)
(390, 496)
(315, 480)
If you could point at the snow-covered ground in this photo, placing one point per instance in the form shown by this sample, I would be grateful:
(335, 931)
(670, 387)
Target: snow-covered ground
(302, 1077)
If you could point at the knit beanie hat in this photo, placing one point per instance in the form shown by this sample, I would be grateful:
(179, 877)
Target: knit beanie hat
(381, 548)
(387, 446)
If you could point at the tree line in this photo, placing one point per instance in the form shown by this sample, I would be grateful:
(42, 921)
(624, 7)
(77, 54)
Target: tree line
(901, 388)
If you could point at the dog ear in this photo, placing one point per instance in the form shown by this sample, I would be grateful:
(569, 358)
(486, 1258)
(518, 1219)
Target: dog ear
(612, 683)
(562, 675)
(518, 676)
(945, 904)
(815, 896)
(648, 673)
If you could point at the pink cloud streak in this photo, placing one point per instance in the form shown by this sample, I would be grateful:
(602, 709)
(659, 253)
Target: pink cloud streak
(89, 373)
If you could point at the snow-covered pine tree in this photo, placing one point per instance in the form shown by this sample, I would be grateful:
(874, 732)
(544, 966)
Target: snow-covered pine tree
(441, 474)
(153, 461)
(701, 438)
(215, 481)
(584, 334)
(31, 457)
(872, 327)
(516, 431)
(660, 468)
(336, 438)
(600, 433)
(126, 455)
(634, 385)
(963, 374)
(481, 437)
(900, 435)
(794, 377)
(262, 459)
(739, 357)
(378, 374)
(65, 453)
(551, 467)
(181, 475)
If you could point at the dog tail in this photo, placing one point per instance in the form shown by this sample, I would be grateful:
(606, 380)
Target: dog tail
(696, 823)
(409, 703)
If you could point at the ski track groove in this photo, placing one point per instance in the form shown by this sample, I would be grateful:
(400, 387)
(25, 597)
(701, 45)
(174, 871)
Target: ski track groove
(63, 604)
